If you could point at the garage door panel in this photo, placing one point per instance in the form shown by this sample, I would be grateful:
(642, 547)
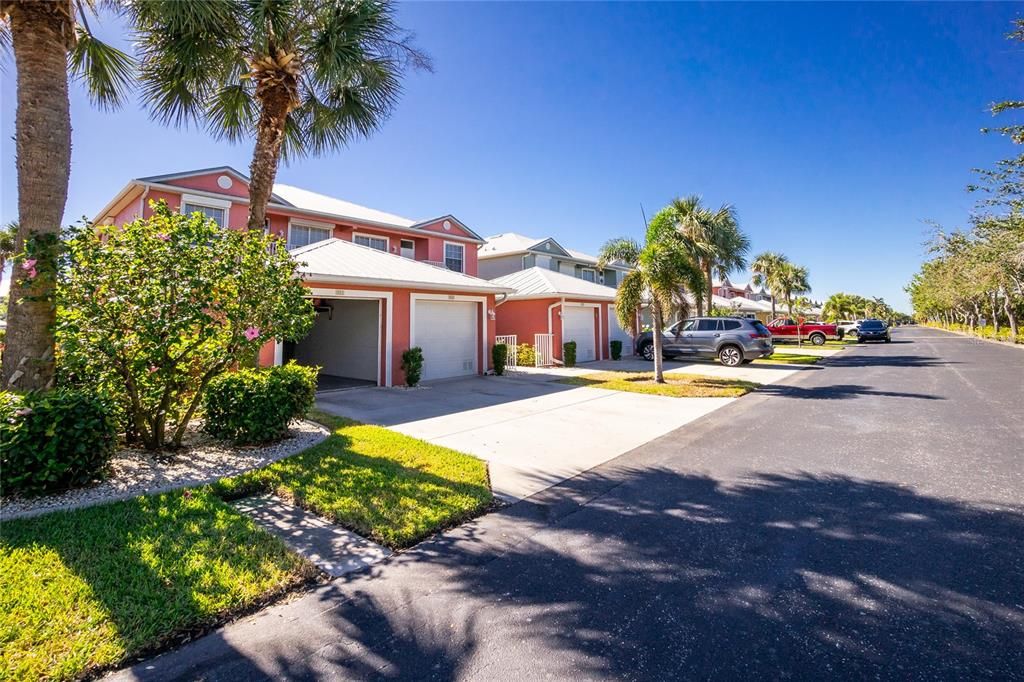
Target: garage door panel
(447, 333)
(578, 326)
(617, 333)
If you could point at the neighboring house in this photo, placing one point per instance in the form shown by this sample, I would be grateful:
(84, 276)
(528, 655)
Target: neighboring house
(568, 308)
(510, 252)
(380, 283)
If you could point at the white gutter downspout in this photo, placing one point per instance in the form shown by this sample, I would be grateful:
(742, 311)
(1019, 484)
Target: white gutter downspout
(504, 297)
(142, 201)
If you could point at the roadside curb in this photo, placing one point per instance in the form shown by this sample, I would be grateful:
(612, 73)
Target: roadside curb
(974, 337)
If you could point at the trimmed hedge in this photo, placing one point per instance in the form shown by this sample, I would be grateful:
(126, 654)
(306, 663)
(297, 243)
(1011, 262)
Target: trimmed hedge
(616, 348)
(526, 355)
(257, 405)
(54, 440)
(499, 354)
(569, 353)
(412, 365)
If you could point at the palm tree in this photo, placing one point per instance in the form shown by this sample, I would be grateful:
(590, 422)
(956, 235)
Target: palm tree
(715, 239)
(765, 269)
(50, 40)
(840, 306)
(662, 269)
(304, 77)
(793, 281)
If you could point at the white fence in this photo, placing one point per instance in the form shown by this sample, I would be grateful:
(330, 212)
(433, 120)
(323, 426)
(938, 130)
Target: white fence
(510, 342)
(543, 343)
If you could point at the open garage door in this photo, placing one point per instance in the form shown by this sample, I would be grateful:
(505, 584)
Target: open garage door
(617, 333)
(448, 333)
(578, 326)
(344, 342)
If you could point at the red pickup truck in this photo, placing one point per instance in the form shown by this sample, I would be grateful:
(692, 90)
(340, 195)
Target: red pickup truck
(785, 329)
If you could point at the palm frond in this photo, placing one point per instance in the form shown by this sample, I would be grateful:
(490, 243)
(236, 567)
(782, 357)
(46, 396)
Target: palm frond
(629, 298)
(107, 72)
(622, 249)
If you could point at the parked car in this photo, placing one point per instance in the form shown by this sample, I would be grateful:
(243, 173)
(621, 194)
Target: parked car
(733, 340)
(786, 329)
(847, 327)
(873, 330)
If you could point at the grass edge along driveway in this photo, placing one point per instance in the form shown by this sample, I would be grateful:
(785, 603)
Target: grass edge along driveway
(86, 589)
(676, 385)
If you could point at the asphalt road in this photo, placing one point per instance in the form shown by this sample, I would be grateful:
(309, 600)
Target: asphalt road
(865, 519)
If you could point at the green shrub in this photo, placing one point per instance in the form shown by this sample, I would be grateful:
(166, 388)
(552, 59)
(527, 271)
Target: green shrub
(54, 440)
(412, 365)
(257, 405)
(499, 355)
(569, 353)
(526, 355)
(616, 347)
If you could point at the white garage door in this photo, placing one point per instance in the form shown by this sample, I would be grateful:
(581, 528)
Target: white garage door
(617, 333)
(578, 326)
(447, 333)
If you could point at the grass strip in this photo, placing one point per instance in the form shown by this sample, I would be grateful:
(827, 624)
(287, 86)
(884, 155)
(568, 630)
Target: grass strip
(676, 385)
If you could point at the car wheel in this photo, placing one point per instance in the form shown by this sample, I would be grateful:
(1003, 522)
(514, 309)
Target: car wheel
(818, 339)
(647, 352)
(730, 356)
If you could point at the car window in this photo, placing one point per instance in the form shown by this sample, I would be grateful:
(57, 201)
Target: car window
(872, 324)
(687, 326)
(761, 329)
(707, 325)
(728, 325)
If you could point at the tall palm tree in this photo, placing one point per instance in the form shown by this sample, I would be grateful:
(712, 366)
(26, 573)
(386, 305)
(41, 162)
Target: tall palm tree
(793, 281)
(301, 76)
(715, 239)
(662, 269)
(50, 40)
(766, 268)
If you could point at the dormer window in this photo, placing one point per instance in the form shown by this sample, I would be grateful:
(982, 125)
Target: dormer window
(588, 275)
(379, 243)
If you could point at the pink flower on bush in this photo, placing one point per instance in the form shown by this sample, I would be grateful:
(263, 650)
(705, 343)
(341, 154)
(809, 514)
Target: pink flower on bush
(29, 266)
(252, 332)
(187, 494)
(153, 368)
(23, 412)
(163, 236)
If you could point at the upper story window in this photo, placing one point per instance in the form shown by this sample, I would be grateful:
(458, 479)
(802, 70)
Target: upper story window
(408, 248)
(379, 243)
(304, 235)
(217, 214)
(588, 275)
(455, 257)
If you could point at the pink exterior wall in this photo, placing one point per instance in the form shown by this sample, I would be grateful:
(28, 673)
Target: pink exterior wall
(526, 318)
(208, 183)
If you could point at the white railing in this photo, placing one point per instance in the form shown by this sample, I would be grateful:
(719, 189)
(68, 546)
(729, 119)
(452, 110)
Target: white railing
(544, 343)
(509, 341)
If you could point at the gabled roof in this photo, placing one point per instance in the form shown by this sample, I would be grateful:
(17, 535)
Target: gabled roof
(512, 243)
(543, 283)
(335, 260)
(224, 170)
(321, 203)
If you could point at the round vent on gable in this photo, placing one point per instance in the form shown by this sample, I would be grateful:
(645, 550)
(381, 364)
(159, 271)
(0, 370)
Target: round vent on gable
(224, 182)
(447, 225)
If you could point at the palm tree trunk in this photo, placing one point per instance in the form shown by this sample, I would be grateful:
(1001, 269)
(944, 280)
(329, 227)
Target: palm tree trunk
(275, 103)
(41, 34)
(711, 293)
(658, 325)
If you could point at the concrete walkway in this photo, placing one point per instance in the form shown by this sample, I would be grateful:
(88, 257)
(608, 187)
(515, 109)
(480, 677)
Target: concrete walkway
(761, 373)
(533, 431)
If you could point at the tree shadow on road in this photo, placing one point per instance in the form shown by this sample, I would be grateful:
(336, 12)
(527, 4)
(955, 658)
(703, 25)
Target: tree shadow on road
(663, 574)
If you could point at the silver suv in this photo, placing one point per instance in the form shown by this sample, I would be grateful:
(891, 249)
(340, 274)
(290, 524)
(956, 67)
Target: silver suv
(733, 340)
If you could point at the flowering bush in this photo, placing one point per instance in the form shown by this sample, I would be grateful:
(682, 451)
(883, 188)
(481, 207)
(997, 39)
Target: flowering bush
(526, 355)
(256, 405)
(53, 440)
(155, 309)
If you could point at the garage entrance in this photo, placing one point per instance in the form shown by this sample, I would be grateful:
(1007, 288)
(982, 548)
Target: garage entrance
(344, 342)
(447, 331)
(578, 326)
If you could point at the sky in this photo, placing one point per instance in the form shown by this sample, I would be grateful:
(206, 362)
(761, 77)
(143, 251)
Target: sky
(836, 130)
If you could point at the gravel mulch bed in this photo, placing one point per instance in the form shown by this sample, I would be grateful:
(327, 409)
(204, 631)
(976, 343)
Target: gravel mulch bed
(202, 459)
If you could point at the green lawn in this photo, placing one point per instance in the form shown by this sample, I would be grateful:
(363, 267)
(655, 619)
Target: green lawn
(87, 588)
(789, 359)
(676, 385)
(386, 486)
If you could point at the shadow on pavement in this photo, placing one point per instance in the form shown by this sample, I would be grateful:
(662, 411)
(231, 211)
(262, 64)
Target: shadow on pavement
(670, 575)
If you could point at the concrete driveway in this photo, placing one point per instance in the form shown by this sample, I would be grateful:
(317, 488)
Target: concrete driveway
(533, 431)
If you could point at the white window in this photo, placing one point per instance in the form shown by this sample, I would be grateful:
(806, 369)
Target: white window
(304, 235)
(588, 275)
(209, 211)
(408, 248)
(379, 243)
(454, 256)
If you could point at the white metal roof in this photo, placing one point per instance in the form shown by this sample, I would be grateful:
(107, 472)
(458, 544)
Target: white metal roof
(321, 203)
(543, 283)
(335, 260)
(510, 243)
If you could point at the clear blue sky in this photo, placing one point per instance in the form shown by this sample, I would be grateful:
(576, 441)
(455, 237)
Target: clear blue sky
(836, 130)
